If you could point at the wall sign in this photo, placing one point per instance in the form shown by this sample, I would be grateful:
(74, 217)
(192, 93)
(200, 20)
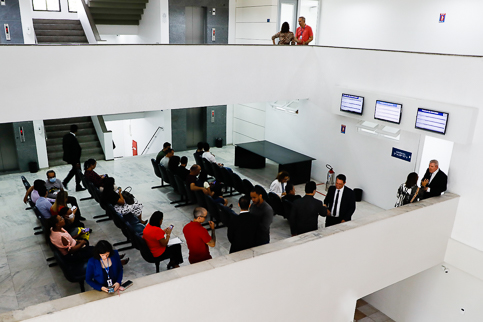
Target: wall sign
(401, 154)
(442, 17)
(342, 129)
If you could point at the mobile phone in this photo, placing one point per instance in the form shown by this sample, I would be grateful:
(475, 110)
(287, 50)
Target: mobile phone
(171, 227)
(73, 208)
(127, 284)
(111, 289)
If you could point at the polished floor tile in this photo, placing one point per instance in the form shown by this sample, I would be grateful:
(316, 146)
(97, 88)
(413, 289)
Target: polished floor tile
(26, 279)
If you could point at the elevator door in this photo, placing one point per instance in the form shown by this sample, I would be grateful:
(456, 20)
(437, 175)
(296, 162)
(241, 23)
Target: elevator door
(195, 25)
(8, 151)
(195, 126)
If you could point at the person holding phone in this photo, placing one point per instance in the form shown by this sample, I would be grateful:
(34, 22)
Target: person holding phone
(72, 248)
(70, 216)
(197, 237)
(104, 270)
(157, 240)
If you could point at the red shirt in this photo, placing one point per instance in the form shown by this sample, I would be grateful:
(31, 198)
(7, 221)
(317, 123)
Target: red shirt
(305, 32)
(152, 235)
(196, 238)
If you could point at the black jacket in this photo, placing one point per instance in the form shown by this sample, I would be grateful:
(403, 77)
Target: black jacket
(437, 185)
(347, 204)
(305, 214)
(72, 149)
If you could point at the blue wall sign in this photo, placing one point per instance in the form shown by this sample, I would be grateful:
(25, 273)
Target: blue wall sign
(401, 154)
(442, 17)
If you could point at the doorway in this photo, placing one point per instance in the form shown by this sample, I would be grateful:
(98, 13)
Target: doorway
(195, 126)
(435, 149)
(195, 25)
(8, 150)
(288, 13)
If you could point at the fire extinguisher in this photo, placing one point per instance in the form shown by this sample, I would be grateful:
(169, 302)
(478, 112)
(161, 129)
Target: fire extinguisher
(330, 177)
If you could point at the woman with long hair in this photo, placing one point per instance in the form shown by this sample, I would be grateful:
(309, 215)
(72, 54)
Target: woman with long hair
(409, 191)
(285, 36)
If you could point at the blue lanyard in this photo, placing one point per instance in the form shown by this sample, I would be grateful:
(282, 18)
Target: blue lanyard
(106, 268)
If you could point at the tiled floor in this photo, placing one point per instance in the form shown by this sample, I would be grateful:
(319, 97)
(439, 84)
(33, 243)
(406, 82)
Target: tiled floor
(26, 279)
(367, 313)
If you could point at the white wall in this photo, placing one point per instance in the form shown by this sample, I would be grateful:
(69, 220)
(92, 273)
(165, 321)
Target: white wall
(140, 130)
(251, 25)
(248, 122)
(27, 24)
(41, 144)
(408, 25)
(62, 14)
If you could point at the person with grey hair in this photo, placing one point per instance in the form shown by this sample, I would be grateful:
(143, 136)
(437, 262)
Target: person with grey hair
(197, 237)
(304, 34)
(434, 182)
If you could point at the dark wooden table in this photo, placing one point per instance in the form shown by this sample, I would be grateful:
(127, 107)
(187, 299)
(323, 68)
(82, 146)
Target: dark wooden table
(253, 155)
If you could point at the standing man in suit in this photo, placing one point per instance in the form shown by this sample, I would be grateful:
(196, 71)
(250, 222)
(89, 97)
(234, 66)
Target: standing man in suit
(434, 181)
(340, 202)
(242, 231)
(306, 211)
(72, 154)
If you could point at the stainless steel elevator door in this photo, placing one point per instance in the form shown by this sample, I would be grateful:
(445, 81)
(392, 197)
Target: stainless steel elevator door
(8, 150)
(195, 25)
(195, 126)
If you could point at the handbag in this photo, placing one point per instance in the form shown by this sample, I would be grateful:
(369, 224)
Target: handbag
(128, 196)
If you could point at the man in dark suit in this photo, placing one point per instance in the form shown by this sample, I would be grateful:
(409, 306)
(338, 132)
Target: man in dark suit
(242, 232)
(340, 202)
(72, 154)
(434, 181)
(306, 211)
(290, 193)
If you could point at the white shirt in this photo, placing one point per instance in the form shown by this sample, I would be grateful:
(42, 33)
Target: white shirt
(338, 202)
(164, 162)
(276, 187)
(208, 156)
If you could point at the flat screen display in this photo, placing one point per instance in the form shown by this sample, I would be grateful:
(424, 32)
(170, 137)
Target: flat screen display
(352, 103)
(433, 121)
(387, 111)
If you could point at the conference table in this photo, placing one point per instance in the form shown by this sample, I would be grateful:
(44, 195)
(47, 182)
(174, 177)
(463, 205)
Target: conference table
(253, 155)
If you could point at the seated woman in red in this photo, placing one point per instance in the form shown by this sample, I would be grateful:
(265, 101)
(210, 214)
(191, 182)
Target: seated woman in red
(157, 240)
(92, 176)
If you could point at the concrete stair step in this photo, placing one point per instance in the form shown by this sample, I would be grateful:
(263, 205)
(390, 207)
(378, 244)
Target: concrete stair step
(62, 39)
(104, 4)
(81, 139)
(80, 133)
(116, 22)
(57, 27)
(66, 127)
(115, 11)
(56, 21)
(72, 120)
(84, 145)
(85, 152)
(105, 16)
(59, 33)
(121, 1)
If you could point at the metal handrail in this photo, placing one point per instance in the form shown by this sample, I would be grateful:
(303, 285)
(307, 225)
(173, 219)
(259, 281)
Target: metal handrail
(91, 20)
(155, 132)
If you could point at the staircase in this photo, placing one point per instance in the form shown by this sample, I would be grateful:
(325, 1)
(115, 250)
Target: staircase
(59, 31)
(86, 135)
(117, 12)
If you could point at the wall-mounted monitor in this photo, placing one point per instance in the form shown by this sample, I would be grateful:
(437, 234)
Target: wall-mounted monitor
(433, 121)
(387, 111)
(352, 103)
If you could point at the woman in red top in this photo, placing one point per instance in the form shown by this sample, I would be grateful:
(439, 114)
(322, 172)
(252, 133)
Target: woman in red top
(157, 240)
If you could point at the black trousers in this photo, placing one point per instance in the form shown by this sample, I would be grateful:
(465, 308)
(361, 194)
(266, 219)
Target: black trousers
(172, 252)
(331, 221)
(80, 256)
(73, 172)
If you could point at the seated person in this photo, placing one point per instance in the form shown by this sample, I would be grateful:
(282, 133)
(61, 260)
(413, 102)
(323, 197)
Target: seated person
(54, 186)
(70, 214)
(157, 240)
(42, 204)
(115, 198)
(162, 153)
(73, 249)
(165, 161)
(173, 163)
(211, 157)
(33, 192)
(182, 172)
(290, 193)
(278, 185)
(199, 150)
(195, 184)
(104, 268)
(92, 176)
